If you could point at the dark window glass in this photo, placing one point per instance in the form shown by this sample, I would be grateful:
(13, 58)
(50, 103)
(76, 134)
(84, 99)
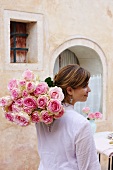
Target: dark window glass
(18, 37)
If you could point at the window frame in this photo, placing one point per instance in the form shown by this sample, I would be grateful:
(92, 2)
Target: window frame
(29, 18)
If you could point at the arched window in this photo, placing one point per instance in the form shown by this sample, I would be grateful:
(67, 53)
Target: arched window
(92, 58)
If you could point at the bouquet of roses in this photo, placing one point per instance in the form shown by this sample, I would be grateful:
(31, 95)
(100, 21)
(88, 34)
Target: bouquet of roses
(91, 115)
(31, 100)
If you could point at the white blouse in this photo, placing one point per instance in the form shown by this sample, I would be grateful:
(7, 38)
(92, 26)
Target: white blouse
(69, 145)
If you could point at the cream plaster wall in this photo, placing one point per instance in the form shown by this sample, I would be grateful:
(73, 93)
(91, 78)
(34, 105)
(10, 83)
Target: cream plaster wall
(63, 20)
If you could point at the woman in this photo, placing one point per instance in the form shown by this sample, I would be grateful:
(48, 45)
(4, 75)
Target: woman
(70, 144)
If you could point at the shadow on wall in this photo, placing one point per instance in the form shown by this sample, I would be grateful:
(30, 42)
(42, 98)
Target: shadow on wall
(18, 146)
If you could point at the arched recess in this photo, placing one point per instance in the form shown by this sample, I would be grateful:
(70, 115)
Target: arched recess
(81, 41)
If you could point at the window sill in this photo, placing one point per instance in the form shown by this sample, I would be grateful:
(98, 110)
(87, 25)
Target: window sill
(22, 66)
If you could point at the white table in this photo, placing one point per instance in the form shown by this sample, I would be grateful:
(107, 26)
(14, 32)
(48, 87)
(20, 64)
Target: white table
(103, 146)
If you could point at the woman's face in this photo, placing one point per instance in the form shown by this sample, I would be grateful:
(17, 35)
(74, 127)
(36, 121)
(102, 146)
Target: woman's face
(79, 94)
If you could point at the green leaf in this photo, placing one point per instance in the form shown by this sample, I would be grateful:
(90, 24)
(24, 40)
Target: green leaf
(49, 82)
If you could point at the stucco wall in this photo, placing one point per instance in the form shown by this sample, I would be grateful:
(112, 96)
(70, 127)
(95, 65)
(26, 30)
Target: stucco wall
(63, 21)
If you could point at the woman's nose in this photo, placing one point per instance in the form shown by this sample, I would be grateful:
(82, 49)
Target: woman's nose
(89, 90)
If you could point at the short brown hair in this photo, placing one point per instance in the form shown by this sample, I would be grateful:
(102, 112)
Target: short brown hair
(71, 75)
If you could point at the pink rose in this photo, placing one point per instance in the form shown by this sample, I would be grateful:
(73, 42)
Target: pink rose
(30, 87)
(41, 88)
(60, 114)
(35, 117)
(19, 102)
(28, 110)
(56, 93)
(6, 101)
(42, 102)
(54, 106)
(9, 116)
(12, 84)
(24, 93)
(22, 83)
(16, 108)
(91, 116)
(15, 93)
(98, 115)
(30, 102)
(28, 75)
(45, 117)
(22, 119)
(86, 110)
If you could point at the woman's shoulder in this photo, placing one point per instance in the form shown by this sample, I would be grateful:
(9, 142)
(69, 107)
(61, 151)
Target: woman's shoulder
(72, 115)
(73, 121)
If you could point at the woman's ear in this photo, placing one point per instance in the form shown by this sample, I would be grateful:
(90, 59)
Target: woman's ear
(69, 90)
